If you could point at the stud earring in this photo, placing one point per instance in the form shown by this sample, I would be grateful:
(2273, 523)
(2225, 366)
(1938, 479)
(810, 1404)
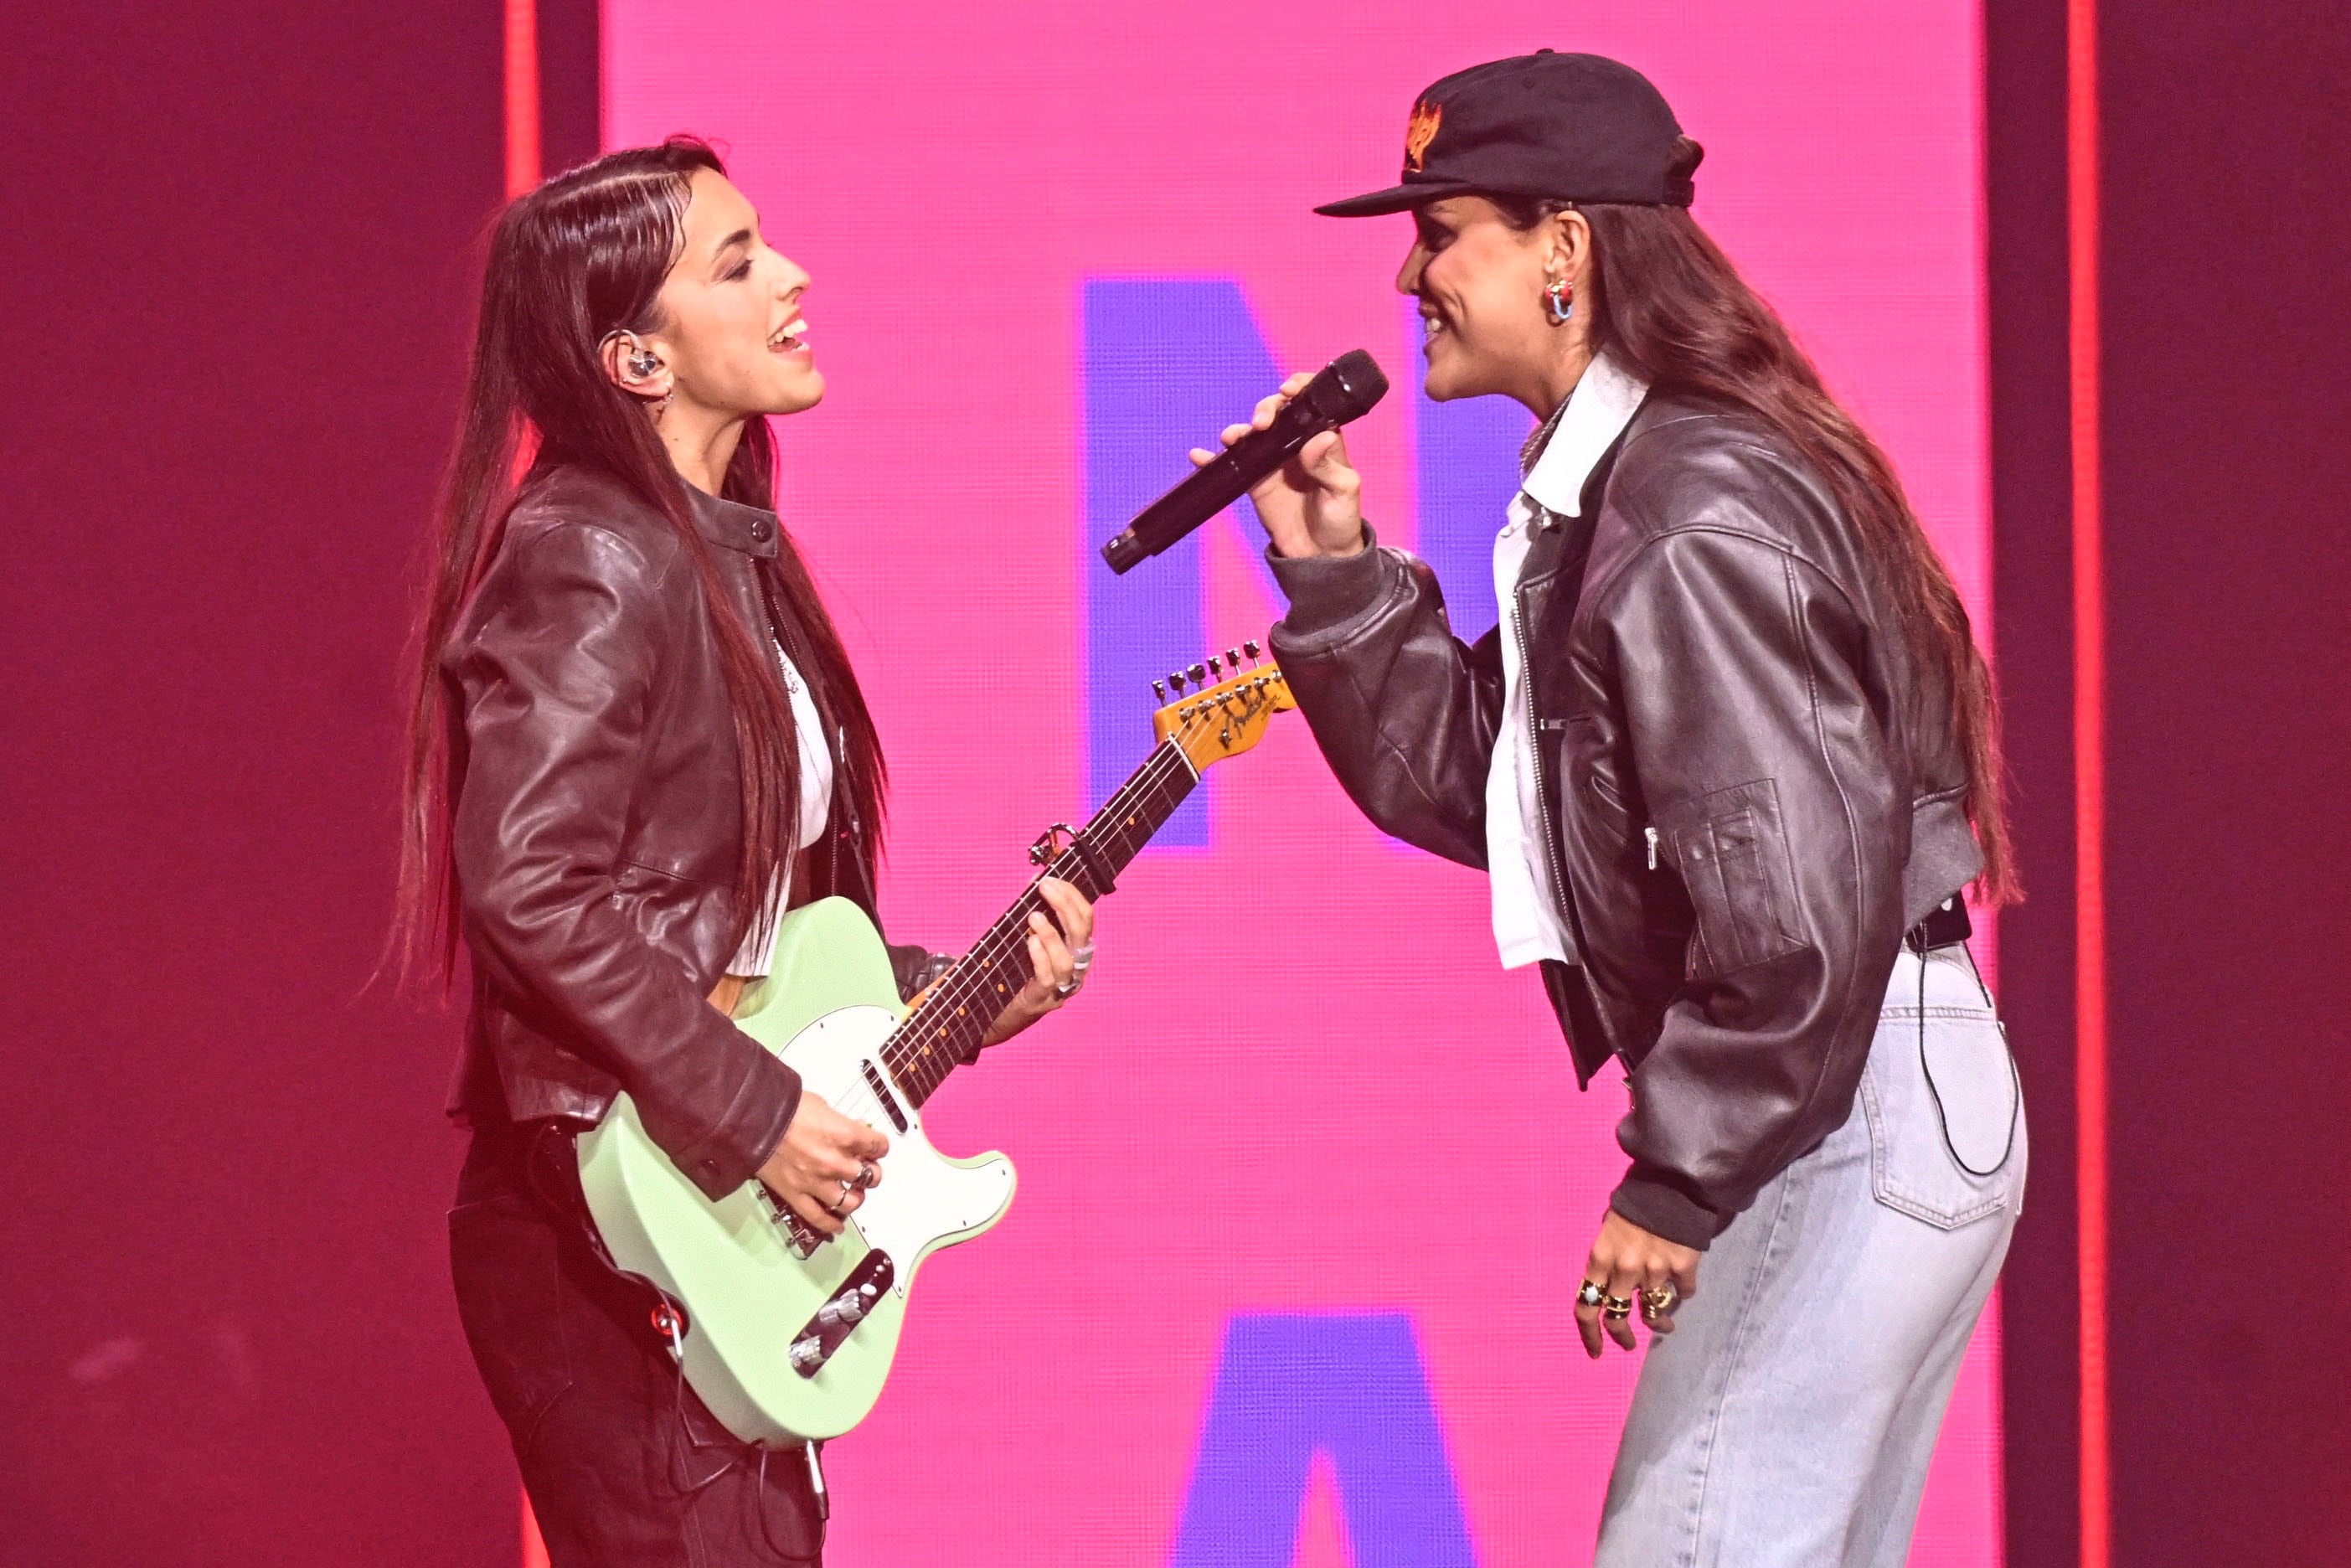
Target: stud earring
(1558, 299)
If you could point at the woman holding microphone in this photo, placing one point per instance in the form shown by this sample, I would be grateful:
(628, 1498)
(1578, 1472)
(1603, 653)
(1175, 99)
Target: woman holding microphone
(1729, 760)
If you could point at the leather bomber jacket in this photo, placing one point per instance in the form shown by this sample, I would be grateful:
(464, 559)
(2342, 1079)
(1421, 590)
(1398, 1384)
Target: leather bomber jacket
(1749, 790)
(598, 820)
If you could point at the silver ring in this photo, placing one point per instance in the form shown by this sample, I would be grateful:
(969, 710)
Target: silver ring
(1066, 992)
(868, 1175)
(1083, 958)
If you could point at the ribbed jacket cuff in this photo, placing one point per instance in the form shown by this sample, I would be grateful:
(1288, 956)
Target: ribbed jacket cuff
(1665, 1211)
(1327, 592)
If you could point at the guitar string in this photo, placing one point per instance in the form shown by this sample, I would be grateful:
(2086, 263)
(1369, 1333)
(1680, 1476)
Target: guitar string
(997, 946)
(1002, 942)
(1157, 771)
(999, 943)
(1160, 770)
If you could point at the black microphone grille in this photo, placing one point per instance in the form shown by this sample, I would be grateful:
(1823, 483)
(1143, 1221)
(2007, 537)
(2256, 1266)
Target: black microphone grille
(1357, 381)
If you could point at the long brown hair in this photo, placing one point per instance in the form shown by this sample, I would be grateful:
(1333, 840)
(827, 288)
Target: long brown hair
(570, 263)
(1666, 302)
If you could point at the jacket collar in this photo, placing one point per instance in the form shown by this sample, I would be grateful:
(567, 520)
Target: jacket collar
(752, 530)
(1602, 403)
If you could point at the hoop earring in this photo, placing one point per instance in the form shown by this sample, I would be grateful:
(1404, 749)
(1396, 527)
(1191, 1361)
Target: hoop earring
(1558, 299)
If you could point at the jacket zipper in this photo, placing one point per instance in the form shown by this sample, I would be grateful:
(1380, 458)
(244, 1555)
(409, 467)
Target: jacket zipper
(1554, 858)
(1651, 835)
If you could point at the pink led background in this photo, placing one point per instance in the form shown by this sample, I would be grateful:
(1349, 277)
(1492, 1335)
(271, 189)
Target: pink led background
(1298, 1080)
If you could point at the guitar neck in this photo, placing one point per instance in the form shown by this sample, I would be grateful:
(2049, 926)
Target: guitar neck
(945, 1032)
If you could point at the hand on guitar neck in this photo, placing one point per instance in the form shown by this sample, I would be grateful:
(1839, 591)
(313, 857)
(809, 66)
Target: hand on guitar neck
(1055, 952)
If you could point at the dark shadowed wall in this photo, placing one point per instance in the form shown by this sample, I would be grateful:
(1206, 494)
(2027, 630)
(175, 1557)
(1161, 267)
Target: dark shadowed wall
(236, 254)
(2227, 434)
(2228, 475)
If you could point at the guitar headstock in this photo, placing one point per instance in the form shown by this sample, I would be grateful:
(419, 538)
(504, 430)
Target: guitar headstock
(1228, 709)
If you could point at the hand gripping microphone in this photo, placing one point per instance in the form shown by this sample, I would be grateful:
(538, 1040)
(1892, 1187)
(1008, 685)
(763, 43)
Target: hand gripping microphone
(1344, 390)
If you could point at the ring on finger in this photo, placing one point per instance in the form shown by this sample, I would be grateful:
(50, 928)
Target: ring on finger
(868, 1175)
(1590, 1294)
(1081, 960)
(1658, 1301)
(1616, 1307)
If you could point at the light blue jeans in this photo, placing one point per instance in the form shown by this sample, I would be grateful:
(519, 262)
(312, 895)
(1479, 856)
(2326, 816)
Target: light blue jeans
(1790, 1417)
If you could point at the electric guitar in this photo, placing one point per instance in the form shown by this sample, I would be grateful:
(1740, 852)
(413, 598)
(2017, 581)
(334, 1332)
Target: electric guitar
(786, 1335)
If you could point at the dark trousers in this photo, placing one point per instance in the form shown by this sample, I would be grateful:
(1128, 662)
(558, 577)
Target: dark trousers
(624, 1467)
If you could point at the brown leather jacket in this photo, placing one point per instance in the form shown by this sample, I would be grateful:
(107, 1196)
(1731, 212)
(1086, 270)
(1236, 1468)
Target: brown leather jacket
(597, 825)
(1751, 791)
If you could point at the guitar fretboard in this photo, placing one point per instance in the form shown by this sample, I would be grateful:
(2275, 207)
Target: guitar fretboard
(945, 1032)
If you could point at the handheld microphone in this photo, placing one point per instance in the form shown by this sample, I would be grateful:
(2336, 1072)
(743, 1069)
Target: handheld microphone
(1343, 390)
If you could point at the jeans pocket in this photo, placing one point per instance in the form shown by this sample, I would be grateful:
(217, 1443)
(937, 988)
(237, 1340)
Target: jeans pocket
(1946, 1115)
(504, 1262)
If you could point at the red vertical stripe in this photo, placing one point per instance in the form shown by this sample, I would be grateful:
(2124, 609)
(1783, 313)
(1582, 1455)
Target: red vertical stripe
(522, 173)
(534, 1550)
(2089, 769)
(522, 96)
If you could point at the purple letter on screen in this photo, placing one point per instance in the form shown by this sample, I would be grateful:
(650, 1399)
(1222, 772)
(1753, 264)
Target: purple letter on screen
(1348, 1386)
(1167, 363)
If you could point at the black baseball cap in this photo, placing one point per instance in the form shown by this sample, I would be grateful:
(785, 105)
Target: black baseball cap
(1576, 127)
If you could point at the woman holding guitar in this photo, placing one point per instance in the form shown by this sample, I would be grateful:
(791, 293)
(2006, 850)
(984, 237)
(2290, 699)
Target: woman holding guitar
(1729, 760)
(636, 739)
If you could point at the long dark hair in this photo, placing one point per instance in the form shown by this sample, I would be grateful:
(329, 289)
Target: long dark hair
(1666, 302)
(570, 263)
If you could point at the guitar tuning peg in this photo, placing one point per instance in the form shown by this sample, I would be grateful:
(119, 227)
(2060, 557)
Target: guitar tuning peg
(1159, 691)
(1232, 659)
(1214, 670)
(1199, 674)
(1176, 683)
(1251, 649)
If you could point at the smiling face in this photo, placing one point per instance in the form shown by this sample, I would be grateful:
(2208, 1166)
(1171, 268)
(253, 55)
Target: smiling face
(1480, 287)
(732, 333)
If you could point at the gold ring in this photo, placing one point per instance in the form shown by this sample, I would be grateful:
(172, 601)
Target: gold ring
(1616, 1307)
(1659, 1301)
(1590, 1295)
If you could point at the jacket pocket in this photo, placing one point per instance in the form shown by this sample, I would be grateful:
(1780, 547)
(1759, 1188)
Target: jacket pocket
(1946, 1116)
(1732, 854)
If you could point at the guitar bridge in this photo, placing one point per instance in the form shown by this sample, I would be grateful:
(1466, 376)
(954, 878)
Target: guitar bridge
(801, 1237)
(838, 1318)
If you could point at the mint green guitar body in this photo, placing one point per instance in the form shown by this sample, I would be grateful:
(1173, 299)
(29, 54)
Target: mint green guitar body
(752, 1286)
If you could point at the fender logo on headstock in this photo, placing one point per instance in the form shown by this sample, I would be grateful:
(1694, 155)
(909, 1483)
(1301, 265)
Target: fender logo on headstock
(1222, 718)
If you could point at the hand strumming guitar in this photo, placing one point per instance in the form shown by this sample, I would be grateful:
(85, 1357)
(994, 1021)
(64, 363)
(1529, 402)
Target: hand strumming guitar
(824, 1165)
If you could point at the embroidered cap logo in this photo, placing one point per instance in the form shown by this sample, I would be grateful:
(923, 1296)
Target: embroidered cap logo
(1426, 118)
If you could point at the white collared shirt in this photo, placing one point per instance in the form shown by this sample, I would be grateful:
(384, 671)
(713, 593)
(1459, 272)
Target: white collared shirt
(1529, 925)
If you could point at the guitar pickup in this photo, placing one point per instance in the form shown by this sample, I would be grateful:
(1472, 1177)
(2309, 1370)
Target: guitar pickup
(838, 1318)
(881, 1092)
